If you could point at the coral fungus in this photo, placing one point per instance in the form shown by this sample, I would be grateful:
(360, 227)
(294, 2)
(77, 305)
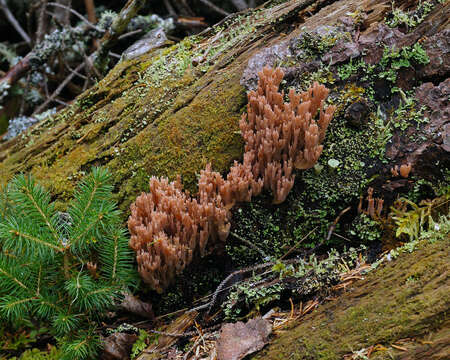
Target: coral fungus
(169, 227)
(280, 136)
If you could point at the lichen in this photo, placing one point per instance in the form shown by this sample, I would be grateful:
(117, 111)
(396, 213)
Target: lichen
(403, 298)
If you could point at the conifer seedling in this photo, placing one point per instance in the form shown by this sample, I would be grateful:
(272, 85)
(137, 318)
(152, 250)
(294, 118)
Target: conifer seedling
(64, 270)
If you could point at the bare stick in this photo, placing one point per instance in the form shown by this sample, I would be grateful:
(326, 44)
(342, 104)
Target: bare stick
(169, 7)
(131, 33)
(245, 241)
(298, 243)
(240, 4)
(117, 28)
(41, 22)
(42, 107)
(183, 8)
(114, 55)
(90, 9)
(12, 20)
(77, 14)
(215, 8)
(76, 72)
(335, 222)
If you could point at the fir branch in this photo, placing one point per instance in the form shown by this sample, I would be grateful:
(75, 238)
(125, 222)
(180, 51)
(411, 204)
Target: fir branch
(35, 201)
(13, 278)
(13, 308)
(64, 323)
(79, 240)
(42, 273)
(47, 307)
(91, 209)
(15, 231)
(95, 189)
(116, 257)
(84, 345)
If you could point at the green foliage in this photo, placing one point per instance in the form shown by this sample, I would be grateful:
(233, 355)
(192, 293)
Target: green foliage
(366, 229)
(413, 18)
(407, 111)
(36, 354)
(18, 337)
(301, 278)
(412, 219)
(391, 62)
(440, 231)
(394, 59)
(63, 269)
(347, 70)
(140, 344)
(8, 54)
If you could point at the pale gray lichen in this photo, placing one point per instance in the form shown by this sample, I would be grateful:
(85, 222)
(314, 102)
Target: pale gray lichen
(19, 124)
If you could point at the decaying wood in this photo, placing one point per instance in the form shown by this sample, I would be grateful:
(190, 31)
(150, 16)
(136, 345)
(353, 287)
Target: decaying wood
(179, 326)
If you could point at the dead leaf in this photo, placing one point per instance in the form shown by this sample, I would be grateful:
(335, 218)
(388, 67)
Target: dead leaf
(118, 346)
(135, 306)
(238, 340)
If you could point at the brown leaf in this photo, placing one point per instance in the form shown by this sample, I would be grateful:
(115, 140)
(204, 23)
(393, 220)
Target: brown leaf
(118, 346)
(238, 340)
(135, 306)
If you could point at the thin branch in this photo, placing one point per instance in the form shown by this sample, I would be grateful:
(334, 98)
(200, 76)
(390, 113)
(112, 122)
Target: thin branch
(117, 28)
(131, 33)
(335, 222)
(183, 8)
(253, 246)
(214, 7)
(342, 237)
(76, 73)
(41, 22)
(114, 55)
(169, 8)
(298, 243)
(12, 20)
(58, 90)
(90, 9)
(60, 102)
(240, 4)
(77, 14)
(91, 67)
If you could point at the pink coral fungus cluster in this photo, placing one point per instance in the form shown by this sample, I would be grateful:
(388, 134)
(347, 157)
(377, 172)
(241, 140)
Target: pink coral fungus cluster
(280, 136)
(169, 227)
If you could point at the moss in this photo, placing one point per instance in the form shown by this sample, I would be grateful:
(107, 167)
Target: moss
(169, 111)
(410, 19)
(36, 354)
(381, 309)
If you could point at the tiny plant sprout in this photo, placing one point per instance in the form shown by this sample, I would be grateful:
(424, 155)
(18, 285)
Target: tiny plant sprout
(318, 168)
(333, 163)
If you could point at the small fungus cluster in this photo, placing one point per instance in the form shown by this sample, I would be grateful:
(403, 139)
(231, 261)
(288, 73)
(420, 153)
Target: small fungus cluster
(169, 227)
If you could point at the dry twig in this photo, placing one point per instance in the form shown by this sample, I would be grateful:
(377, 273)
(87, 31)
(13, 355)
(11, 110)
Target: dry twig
(58, 90)
(77, 14)
(215, 8)
(12, 20)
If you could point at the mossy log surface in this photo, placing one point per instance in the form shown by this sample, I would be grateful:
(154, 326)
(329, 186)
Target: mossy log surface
(155, 115)
(176, 108)
(407, 298)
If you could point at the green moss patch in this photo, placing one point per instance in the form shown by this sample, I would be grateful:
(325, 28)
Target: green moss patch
(408, 297)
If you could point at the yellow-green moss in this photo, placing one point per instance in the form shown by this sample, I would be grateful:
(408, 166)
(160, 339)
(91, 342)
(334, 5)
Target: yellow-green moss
(384, 307)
